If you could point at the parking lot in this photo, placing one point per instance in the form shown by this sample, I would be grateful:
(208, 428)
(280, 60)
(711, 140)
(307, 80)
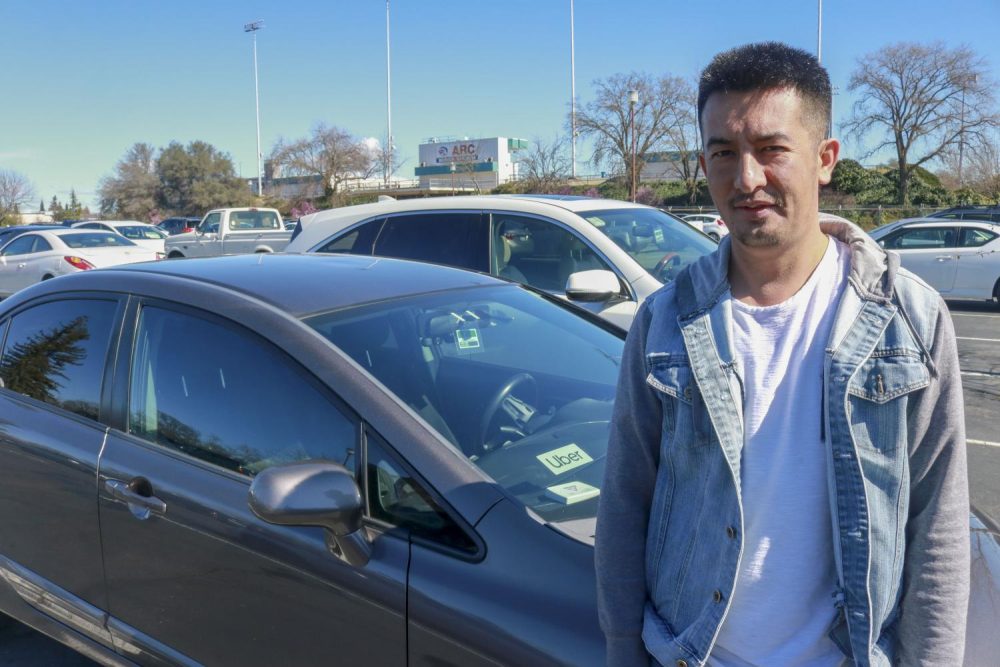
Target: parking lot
(977, 326)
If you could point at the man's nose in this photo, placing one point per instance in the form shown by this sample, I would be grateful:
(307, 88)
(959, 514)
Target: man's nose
(750, 175)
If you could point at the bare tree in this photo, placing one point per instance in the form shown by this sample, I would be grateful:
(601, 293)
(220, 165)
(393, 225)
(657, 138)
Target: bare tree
(920, 99)
(329, 152)
(15, 191)
(545, 165)
(131, 191)
(682, 139)
(606, 118)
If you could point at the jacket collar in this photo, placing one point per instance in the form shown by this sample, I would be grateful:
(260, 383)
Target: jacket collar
(873, 271)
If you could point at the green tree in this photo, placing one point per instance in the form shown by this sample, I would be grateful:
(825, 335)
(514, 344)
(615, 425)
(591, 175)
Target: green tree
(131, 191)
(329, 152)
(198, 177)
(41, 206)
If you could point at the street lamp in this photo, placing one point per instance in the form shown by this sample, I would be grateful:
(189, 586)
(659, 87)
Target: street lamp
(633, 98)
(253, 27)
(387, 153)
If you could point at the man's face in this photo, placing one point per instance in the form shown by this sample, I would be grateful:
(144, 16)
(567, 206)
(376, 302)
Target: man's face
(764, 159)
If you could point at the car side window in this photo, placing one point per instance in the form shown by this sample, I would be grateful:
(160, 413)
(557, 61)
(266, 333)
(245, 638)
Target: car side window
(973, 237)
(221, 394)
(56, 353)
(41, 245)
(451, 238)
(539, 253)
(20, 246)
(924, 238)
(210, 225)
(395, 497)
(358, 241)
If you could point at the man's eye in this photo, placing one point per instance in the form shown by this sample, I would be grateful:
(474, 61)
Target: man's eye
(722, 153)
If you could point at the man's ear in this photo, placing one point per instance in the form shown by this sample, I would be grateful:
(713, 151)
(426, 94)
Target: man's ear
(829, 151)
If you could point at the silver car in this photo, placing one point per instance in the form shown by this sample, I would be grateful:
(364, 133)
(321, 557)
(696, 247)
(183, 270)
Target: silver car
(605, 255)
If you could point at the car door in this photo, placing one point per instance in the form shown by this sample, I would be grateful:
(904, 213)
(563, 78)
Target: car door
(978, 266)
(192, 573)
(54, 370)
(206, 239)
(928, 252)
(17, 266)
(543, 254)
(248, 230)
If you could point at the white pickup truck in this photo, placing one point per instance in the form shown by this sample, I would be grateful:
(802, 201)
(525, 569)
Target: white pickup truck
(231, 231)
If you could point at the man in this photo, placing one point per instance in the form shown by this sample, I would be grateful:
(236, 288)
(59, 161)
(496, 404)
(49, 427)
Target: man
(786, 475)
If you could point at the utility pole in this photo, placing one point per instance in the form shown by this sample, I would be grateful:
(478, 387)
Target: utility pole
(633, 98)
(253, 27)
(819, 32)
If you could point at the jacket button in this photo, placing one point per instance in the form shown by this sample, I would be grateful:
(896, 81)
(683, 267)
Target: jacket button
(717, 596)
(731, 532)
(682, 663)
(687, 393)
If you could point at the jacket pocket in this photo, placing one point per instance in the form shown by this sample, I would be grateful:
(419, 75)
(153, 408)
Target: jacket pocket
(881, 389)
(687, 419)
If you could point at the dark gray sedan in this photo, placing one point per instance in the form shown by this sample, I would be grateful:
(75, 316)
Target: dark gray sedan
(267, 460)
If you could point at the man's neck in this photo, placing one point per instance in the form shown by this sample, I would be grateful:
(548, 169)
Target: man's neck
(769, 276)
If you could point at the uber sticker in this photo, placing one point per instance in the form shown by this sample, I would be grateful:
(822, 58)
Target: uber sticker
(467, 339)
(564, 459)
(658, 235)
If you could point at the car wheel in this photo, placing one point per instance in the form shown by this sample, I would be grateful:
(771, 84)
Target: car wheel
(715, 237)
(996, 293)
(175, 255)
(46, 276)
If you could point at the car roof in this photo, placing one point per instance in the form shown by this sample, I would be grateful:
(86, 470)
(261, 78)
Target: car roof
(297, 284)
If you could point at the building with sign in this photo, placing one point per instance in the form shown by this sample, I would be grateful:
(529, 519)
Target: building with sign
(469, 165)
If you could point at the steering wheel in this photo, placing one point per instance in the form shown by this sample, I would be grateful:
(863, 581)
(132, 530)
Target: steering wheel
(495, 404)
(667, 265)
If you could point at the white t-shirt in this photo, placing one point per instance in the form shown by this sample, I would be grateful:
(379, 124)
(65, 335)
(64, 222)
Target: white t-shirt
(783, 604)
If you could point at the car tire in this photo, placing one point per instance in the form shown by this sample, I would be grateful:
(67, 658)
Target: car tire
(996, 293)
(715, 237)
(175, 255)
(47, 276)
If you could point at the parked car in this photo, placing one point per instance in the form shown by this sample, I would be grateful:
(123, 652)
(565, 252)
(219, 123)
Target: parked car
(711, 224)
(8, 233)
(141, 233)
(231, 231)
(405, 472)
(47, 253)
(605, 255)
(178, 225)
(987, 212)
(958, 258)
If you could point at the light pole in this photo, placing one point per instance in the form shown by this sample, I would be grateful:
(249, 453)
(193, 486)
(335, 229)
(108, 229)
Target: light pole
(451, 168)
(253, 27)
(633, 98)
(388, 100)
(572, 86)
(819, 32)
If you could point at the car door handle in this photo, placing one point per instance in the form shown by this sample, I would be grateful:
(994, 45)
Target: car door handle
(138, 495)
(943, 258)
(21, 265)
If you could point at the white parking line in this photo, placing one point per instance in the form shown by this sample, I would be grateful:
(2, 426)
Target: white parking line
(984, 443)
(981, 374)
(974, 315)
(986, 340)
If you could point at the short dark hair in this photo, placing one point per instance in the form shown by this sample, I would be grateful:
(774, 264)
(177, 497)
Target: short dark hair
(767, 66)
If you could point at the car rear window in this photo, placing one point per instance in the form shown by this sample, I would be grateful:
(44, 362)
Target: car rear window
(94, 240)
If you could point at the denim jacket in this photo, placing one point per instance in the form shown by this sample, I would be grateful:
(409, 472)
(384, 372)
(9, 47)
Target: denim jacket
(669, 536)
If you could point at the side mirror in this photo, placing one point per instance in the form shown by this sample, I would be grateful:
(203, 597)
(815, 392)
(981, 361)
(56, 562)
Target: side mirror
(592, 286)
(314, 494)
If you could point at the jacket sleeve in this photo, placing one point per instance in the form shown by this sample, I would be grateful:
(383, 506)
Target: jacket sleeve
(626, 496)
(935, 596)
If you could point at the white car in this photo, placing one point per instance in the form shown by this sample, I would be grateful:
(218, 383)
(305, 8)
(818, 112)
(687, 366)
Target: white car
(36, 256)
(958, 258)
(711, 224)
(140, 233)
(604, 255)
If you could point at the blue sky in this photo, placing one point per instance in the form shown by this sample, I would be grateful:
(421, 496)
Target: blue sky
(86, 80)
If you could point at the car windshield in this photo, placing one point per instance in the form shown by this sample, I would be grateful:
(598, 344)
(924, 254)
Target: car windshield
(520, 385)
(94, 240)
(660, 243)
(141, 232)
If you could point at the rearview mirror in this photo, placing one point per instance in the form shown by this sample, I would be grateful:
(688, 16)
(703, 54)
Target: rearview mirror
(592, 286)
(314, 494)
